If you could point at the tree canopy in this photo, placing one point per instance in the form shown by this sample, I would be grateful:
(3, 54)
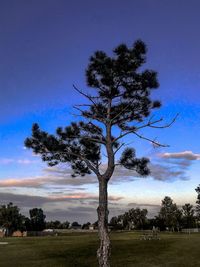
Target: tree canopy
(37, 219)
(132, 219)
(10, 218)
(170, 214)
(188, 216)
(120, 98)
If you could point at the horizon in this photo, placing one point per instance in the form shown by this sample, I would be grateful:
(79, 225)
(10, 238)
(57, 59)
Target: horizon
(45, 49)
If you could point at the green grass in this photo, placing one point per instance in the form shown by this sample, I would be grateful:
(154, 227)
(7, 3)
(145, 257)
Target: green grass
(79, 250)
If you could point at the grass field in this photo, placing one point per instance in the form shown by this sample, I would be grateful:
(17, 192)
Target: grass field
(79, 249)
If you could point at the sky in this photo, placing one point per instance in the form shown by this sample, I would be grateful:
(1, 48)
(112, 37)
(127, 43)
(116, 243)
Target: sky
(44, 49)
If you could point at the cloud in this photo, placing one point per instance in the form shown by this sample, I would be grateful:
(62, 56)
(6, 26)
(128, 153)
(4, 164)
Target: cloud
(6, 161)
(186, 155)
(158, 171)
(62, 180)
(24, 161)
(31, 200)
(162, 169)
(139, 205)
(28, 182)
(69, 208)
(172, 166)
(80, 214)
(166, 167)
(167, 173)
(75, 206)
(80, 196)
(46, 181)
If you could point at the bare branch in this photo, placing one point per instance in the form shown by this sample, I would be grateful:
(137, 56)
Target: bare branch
(140, 136)
(150, 140)
(150, 124)
(80, 110)
(123, 144)
(83, 105)
(85, 95)
(91, 117)
(166, 125)
(89, 138)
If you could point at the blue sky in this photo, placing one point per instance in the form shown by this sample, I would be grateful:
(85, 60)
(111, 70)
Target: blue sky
(44, 50)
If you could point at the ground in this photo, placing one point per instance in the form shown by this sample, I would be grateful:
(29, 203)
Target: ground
(79, 250)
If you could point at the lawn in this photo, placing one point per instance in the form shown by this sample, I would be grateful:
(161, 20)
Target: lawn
(79, 249)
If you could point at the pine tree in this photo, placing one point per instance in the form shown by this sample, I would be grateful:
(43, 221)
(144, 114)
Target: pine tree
(119, 97)
(170, 214)
(188, 212)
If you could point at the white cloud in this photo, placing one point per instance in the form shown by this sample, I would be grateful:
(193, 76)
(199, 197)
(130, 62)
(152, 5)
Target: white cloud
(6, 161)
(24, 161)
(187, 155)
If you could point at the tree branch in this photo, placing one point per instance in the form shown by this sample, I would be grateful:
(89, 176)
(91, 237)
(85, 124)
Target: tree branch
(85, 95)
(79, 156)
(151, 125)
(166, 125)
(121, 112)
(89, 138)
(92, 116)
(123, 144)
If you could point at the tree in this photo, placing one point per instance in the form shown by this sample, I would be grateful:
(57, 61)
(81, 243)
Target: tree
(86, 226)
(138, 218)
(37, 219)
(198, 202)
(75, 225)
(188, 215)
(170, 214)
(54, 225)
(65, 225)
(57, 225)
(116, 223)
(119, 106)
(134, 218)
(10, 218)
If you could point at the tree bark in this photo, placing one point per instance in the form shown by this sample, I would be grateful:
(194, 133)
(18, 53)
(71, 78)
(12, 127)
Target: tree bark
(103, 253)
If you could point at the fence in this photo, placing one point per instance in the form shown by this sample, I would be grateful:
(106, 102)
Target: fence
(191, 230)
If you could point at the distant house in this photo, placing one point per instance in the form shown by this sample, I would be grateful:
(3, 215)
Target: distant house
(49, 230)
(17, 234)
(91, 227)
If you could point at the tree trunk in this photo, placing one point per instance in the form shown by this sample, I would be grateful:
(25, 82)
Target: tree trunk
(103, 253)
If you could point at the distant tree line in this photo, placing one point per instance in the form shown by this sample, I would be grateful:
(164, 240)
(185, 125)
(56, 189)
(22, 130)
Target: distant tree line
(12, 220)
(170, 217)
(57, 225)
